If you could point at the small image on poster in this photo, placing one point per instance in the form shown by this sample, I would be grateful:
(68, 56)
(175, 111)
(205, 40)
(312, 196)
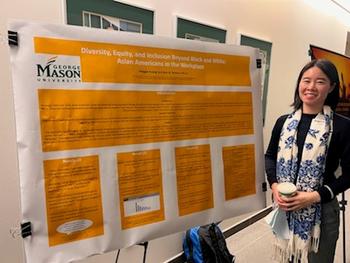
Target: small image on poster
(239, 171)
(194, 179)
(73, 199)
(140, 188)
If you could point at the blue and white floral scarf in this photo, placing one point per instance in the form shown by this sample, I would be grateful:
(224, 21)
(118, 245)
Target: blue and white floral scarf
(304, 224)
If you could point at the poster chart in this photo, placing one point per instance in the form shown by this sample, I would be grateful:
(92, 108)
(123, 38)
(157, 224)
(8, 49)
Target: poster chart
(123, 138)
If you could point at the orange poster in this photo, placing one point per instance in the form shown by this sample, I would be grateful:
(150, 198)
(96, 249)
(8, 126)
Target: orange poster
(73, 199)
(239, 171)
(140, 188)
(119, 136)
(194, 179)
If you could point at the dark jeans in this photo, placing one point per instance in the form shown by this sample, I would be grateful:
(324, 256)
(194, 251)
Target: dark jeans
(329, 233)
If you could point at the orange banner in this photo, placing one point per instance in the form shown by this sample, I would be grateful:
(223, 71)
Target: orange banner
(115, 63)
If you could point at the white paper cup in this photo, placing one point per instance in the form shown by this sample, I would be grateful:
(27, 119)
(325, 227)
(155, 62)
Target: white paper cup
(287, 189)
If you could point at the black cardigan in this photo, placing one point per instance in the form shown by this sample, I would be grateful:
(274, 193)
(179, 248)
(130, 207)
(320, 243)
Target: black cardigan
(338, 152)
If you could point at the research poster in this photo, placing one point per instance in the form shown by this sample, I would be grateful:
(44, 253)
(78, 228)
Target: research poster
(124, 137)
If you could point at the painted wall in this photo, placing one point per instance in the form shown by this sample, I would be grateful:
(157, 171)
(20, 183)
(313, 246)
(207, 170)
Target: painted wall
(291, 25)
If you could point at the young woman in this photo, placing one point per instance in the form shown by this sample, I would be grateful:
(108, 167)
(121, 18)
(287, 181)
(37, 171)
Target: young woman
(306, 148)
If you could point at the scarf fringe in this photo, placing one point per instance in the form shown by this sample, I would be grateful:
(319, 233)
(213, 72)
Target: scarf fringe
(296, 250)
(279, 252)
(315, 238)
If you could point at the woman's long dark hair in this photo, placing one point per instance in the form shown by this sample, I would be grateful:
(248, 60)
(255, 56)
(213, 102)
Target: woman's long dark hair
(331, 72)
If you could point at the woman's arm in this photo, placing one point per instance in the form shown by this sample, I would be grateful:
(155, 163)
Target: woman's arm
(272, 149)
(341, 144)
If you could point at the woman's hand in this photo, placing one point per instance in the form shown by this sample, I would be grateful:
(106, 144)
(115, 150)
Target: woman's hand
(295, 202)
(299, 200)
(276, 195)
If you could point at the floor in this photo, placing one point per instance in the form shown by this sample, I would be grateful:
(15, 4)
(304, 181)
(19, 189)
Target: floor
(253, 244)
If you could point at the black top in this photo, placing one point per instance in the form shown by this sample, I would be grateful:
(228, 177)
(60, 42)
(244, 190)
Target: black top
(338, 152)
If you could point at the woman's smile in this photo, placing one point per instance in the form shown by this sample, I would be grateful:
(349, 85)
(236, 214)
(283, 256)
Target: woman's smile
(314, 87)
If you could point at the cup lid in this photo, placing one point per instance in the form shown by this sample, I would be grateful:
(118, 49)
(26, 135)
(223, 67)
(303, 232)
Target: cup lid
(286, 188)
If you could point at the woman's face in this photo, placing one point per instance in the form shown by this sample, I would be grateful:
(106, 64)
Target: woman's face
(314, 87)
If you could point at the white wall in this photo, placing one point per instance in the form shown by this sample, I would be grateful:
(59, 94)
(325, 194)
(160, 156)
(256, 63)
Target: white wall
(50, 11)
(291, 25)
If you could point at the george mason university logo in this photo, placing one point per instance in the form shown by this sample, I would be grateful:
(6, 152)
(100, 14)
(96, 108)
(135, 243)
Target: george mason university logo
(53, 71)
